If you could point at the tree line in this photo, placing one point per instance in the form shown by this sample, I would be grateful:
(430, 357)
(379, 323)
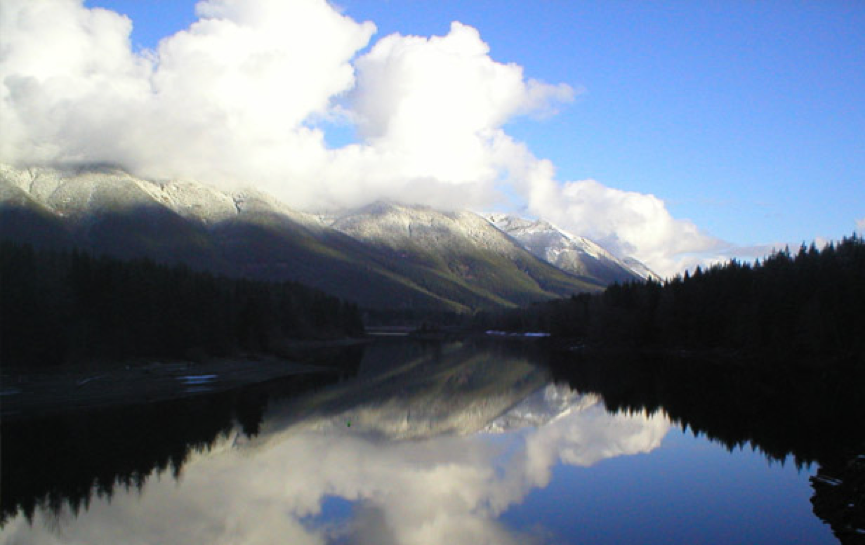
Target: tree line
(803, 305)
(66, 306)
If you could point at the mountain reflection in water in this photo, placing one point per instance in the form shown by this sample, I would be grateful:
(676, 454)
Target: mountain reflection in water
(429, 443)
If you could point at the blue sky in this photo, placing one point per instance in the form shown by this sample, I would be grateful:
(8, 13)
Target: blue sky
(746, 117)
(682, 131)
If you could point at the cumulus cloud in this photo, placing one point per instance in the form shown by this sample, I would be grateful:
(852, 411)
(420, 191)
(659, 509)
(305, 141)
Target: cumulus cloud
(430, 112)
(66, 74)
(626, 222)
(230, 99)
(860, 225)
(242, 94)
(245, 95)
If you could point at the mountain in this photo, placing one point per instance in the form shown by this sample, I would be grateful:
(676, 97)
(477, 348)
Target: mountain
(459, 254)
(571, 253)
(641, 269)
(383, 256)
(105, 210)
(23, 218)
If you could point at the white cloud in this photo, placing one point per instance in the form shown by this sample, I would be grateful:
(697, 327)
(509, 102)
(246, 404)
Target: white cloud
(66, 75)
(227, 100)
(446, 85)
(244, 94)
(626, 222)
(860, 225)
(430, 111)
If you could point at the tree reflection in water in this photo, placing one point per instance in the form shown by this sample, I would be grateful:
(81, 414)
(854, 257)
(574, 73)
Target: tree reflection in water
(812, 414)
(63, 461)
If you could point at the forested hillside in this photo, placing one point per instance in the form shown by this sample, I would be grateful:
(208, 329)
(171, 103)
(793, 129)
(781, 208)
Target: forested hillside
(802, 305)
(60, 307)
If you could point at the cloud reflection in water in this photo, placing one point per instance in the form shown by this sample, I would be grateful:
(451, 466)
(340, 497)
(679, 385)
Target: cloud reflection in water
(435, 486)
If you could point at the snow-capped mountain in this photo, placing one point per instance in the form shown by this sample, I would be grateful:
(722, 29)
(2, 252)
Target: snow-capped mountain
(575, 254)
(384, 255)
(459, 253)
(77, 192)
(401, 227)
(642, 270)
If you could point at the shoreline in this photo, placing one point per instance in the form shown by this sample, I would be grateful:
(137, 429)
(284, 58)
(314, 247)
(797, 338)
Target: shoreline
(29, 394)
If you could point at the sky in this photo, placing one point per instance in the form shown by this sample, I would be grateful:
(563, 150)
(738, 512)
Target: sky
(675, 132)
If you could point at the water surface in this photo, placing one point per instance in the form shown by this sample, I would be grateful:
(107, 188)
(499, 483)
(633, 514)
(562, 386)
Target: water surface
(428, 443)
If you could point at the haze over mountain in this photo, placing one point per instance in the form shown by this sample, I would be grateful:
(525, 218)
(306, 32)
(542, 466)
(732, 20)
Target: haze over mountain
(385, 255)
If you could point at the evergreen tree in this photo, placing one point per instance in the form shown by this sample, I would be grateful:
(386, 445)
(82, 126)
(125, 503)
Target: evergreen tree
(803, 306)
(60, 307)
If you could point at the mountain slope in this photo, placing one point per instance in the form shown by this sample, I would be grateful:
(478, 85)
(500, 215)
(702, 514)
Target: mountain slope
(23, 218)
(264, 240)
(459, 254)
(382, 256)
(105, 210)
(571, 253)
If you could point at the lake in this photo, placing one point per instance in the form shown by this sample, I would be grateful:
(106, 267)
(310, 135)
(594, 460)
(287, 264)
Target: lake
(429, 442)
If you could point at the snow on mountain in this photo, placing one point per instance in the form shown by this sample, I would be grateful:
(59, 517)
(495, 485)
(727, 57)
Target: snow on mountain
(400, 226)
(542, 235)
(461, 252)
(641, 269)
(79, 191)
(194, 201)
(382, 254)
(575, 254)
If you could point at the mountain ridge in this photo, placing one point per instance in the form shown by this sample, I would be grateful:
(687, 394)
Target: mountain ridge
(385, 255)
(572, 253)
(460, 247)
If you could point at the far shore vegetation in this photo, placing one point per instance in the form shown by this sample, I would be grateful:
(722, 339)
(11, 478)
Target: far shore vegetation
(64, 307)
(69, 306)
(802, 306)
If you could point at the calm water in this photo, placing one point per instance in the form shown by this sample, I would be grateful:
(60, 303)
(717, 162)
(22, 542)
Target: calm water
(427, 443)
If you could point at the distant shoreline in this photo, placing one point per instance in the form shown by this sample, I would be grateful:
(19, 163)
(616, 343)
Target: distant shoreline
(71, 388)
